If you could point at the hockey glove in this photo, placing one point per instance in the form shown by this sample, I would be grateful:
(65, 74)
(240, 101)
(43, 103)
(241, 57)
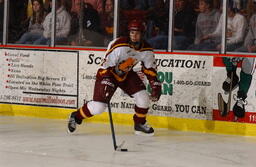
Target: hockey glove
(108, 87)
(156, 90)
(154, 83)
(104, 86)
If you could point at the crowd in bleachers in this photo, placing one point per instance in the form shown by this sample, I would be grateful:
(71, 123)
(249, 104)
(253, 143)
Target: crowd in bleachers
(197, 24)
(78, 22)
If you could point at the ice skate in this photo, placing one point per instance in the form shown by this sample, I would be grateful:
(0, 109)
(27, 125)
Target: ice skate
(72, 122)
(143, 129)
(226, 84)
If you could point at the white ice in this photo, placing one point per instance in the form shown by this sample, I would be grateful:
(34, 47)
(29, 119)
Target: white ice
(36, 142)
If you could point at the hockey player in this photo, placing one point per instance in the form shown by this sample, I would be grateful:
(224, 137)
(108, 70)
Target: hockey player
(116, 71)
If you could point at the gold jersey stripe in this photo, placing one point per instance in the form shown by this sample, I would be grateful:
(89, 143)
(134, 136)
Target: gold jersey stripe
(146, 49)
(115, 46)
(126, 44)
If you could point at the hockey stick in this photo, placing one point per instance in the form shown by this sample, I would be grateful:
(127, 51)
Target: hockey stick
(116, 148)
(223, 106)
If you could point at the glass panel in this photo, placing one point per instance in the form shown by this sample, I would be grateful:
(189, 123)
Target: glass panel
(155, 15)
(1, 19)
(185, 16)
(26, 22)
(63, 22)
(203, 32)
(241, 27)
(17, 19)
(91, 25)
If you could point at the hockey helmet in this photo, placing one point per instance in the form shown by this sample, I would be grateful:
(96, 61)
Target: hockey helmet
(136, 25)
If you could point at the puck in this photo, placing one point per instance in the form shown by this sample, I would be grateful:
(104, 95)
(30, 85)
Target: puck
(124, 149)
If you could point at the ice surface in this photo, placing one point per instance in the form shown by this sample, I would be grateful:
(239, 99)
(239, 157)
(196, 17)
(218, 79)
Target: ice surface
(36, 142)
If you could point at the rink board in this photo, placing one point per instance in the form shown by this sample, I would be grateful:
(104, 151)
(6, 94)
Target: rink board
(172, 123)
(52, 83)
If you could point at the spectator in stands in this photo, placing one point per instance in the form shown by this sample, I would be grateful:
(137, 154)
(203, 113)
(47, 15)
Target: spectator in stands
(96, 4)
(238, 4)
(63, 21)
(236, 28)
(1, 19)
(250, 9)
(30, 10)
(206, 23)
(107, 21)
(35, 29)
(250, 42)
(184, 25)
(86, 29)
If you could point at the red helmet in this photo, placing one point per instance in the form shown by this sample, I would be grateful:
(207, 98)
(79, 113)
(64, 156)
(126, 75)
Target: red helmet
(136, 25)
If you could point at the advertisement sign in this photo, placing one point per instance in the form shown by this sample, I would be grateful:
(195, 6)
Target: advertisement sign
(229, 99)
(41, 78)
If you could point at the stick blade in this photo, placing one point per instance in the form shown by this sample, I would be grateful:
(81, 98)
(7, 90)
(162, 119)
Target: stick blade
(223, 108)
(124, 149)
(121, 149)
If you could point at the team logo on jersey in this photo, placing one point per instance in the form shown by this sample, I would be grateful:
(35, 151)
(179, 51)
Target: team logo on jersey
(127, 64)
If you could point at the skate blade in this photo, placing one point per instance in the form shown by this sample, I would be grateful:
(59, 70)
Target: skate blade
(69, 132)
(139, 133)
